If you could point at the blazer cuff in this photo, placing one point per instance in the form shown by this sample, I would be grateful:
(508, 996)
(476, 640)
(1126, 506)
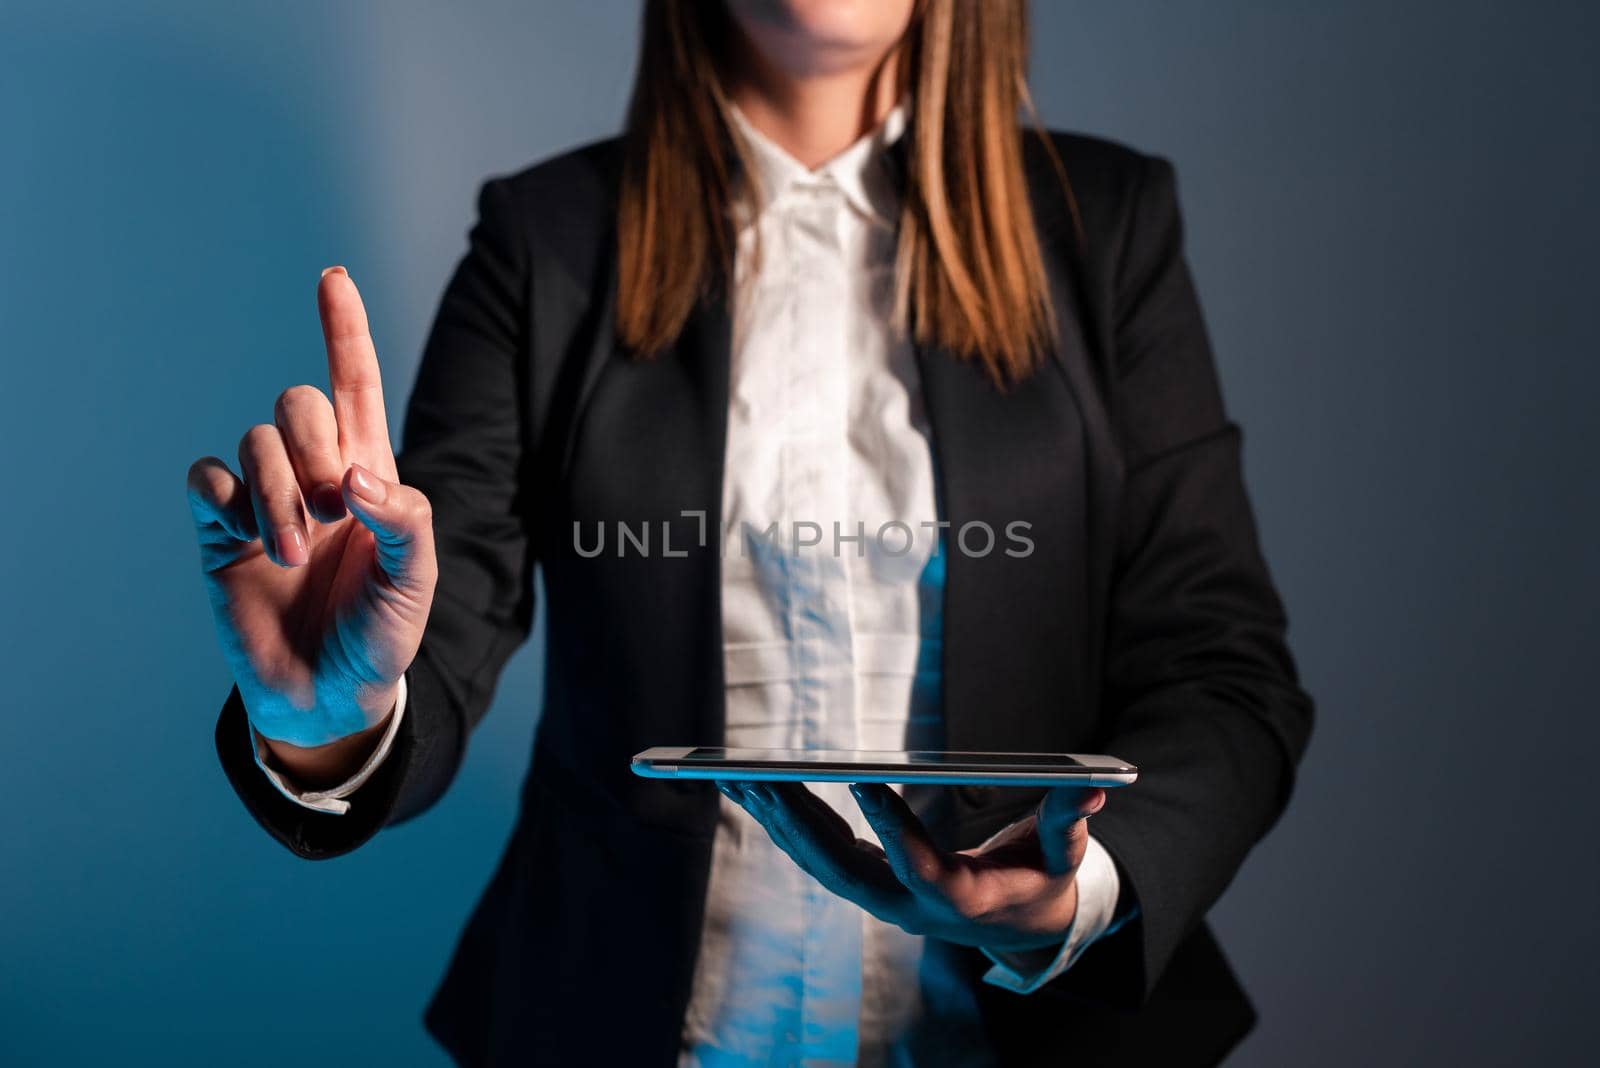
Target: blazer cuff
(331, 800)
(308, 832)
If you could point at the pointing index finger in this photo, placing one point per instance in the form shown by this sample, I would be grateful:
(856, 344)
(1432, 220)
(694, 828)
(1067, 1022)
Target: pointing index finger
(357, 385)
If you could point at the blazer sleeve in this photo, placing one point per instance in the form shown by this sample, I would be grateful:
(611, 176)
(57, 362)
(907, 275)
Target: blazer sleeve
(465, 448)
(1200, 689)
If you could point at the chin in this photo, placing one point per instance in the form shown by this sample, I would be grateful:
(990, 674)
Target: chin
(842, 27)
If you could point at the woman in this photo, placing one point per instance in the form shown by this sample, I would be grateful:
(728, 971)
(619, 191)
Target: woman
(824, 278)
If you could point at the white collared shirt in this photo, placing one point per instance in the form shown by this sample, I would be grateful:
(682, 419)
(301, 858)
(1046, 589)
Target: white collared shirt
(832, 583)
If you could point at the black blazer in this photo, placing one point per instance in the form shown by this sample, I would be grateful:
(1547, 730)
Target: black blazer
(1144, 623)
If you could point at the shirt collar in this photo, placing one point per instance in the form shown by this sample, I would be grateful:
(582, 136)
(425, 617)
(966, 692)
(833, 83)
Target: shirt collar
(861, 171)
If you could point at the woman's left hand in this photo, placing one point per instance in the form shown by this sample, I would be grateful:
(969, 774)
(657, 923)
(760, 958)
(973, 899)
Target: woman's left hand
(1016, 891)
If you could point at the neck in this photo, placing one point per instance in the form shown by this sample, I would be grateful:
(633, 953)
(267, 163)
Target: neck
(816, 114)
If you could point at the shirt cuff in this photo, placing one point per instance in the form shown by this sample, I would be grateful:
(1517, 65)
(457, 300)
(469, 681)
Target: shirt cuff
(1024, 971)
(332, 800)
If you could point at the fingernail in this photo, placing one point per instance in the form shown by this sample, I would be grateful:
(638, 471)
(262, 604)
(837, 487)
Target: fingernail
(328, 502)
(727, 791)
(335, 269)
(292, 546)
(867, 799)
(366, 485)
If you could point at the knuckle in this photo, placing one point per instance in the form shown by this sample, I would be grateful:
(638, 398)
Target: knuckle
(299, 400)
(202, 474)
(969, 912)
(976, 906)
(284, 499)
(927, 869)
(256, 439)
(213, 490)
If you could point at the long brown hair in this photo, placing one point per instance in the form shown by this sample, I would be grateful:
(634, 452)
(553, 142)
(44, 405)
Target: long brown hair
(969, 272)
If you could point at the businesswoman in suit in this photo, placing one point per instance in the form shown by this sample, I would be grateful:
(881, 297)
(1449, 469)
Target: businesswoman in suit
(825, 277)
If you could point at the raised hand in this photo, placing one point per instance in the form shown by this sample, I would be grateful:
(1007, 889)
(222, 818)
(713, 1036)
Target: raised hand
(319, 563)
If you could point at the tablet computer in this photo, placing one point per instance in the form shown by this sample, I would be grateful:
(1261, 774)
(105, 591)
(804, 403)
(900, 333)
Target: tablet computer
(855, 765)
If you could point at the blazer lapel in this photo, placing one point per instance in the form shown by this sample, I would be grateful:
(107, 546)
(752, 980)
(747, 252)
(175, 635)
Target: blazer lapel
(1012, 478)
(645, 464)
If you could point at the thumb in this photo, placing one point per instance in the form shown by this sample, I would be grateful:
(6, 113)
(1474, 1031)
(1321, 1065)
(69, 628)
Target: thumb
(401, 521)
(1063, 834)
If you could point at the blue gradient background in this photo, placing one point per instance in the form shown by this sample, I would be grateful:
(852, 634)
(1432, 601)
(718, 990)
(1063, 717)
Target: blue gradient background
(1392, 219)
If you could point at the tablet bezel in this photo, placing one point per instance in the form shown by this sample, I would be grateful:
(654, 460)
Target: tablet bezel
(954, 767)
